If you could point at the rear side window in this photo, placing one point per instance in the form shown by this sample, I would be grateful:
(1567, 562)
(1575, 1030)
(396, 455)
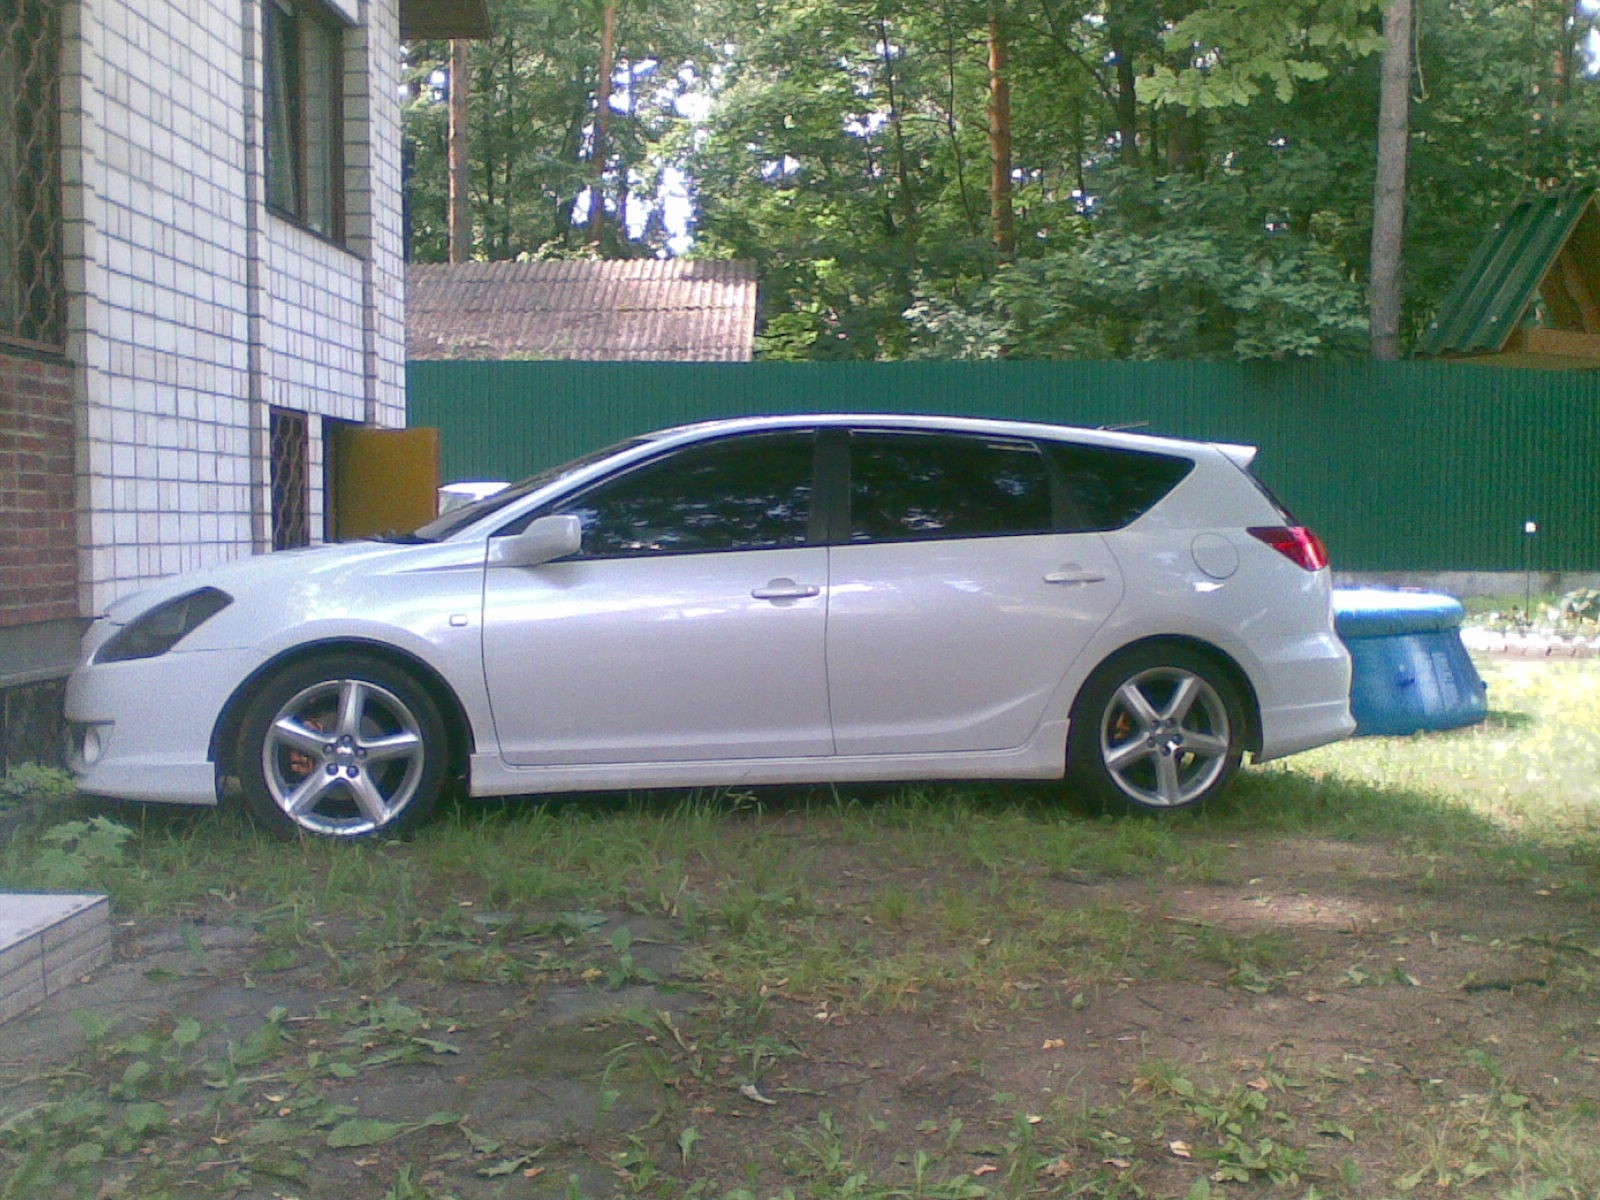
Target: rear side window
(1109, 487)
(916, 486)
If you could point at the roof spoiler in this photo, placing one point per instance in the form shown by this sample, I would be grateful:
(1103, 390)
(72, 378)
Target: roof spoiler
(1241, 456)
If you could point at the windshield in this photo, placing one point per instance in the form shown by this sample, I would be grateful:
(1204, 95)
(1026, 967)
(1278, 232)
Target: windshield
(459, 518)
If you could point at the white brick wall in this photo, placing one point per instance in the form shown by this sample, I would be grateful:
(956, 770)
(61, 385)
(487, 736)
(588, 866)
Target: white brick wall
(162, 148)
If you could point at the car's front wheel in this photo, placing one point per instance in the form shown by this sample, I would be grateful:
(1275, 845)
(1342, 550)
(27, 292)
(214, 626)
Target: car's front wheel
(1157, 727)
(343, 746)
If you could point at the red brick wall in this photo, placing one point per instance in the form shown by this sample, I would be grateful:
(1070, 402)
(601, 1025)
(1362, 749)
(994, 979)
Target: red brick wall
(38, 522)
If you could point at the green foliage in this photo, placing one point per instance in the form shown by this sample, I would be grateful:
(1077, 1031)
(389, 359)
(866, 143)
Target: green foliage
(532, 86)
(1237, 48)
(1169, 268)
(1189, 179)
(80, 853)
(33, 784)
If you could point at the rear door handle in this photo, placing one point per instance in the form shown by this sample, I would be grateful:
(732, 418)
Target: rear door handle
(786, 589)
(1072, 574)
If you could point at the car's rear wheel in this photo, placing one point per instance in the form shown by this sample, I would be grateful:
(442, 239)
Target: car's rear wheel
(1158, 727)
(343, 746)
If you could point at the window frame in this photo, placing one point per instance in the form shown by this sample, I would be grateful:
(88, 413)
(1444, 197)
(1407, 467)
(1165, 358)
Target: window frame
(303, 115)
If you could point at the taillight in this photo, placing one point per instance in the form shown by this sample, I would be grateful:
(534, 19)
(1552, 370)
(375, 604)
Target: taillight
(1295, 542)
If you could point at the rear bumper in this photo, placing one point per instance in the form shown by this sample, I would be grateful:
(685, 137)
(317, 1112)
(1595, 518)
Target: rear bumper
(1303, 689)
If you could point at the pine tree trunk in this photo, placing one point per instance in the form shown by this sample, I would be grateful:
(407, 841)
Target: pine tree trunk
(460, 218)
(1002, 216)
(1389, 194)
(602, 124)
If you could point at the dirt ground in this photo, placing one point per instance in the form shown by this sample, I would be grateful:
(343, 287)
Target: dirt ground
(1425, 1027)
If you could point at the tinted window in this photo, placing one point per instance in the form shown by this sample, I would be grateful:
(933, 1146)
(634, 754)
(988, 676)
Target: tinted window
(747, 493)
(1108, 487)
(906, 487)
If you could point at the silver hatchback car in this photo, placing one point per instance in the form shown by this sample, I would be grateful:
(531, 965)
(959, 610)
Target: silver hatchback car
(764, 600)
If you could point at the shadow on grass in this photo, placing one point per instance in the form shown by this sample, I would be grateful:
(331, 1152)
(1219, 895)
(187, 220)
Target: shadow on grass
(1269, 800)
(180, 855)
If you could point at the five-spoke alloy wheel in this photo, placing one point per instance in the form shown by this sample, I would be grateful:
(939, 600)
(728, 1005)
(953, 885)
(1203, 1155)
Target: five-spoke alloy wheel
(343, 746)
(1158, 727)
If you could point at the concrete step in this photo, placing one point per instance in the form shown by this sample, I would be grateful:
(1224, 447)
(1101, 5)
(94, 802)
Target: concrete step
(48, 942)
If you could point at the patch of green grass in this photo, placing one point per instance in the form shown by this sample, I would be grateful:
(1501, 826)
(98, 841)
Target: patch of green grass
(1525, 778)
(842, 903)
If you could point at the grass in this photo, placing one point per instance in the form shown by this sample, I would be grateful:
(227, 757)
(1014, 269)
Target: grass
(812, 913)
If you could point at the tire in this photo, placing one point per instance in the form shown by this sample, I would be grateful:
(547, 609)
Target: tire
(1157, 728)
(343, 747)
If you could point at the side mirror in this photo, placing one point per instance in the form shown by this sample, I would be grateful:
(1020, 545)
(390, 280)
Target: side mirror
(543, 541)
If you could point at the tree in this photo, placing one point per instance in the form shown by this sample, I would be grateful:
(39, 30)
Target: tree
(1164, 177)
(1389, 195)
(546, 132)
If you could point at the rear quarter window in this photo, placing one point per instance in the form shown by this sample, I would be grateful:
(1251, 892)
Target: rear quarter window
(1108, 487)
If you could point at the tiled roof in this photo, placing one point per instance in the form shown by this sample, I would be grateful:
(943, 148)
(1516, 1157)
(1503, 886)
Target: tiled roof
(638, 310)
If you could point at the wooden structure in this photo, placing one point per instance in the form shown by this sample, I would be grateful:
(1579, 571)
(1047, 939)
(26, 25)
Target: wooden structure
(1530, 295)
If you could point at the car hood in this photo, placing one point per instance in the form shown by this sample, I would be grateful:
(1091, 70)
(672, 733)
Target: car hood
(334, 573)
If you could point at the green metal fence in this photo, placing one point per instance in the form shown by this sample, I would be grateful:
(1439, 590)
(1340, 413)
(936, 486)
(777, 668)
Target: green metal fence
(1400, 466)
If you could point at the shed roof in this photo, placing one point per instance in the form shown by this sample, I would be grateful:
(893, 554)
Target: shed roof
(638, 310)
(1547, 248)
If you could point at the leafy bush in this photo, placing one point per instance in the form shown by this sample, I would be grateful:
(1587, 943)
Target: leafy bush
(33, 784)
(1582, 604)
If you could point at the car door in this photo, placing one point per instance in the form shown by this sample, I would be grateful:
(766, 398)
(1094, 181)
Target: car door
(957, 602)
(690, 627)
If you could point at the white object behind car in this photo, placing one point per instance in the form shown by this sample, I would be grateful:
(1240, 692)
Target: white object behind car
(457, 495)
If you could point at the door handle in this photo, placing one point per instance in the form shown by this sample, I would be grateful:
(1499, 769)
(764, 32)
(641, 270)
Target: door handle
(1072, 574)
(786, 589)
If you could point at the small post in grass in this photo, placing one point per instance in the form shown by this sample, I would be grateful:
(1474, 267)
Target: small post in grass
(1530, 530)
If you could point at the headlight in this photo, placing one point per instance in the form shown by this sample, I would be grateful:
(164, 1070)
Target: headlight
(160, 629)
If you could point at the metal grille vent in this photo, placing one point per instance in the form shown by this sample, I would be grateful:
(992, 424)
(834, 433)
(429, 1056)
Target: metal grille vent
(291, 454)
(32, 299)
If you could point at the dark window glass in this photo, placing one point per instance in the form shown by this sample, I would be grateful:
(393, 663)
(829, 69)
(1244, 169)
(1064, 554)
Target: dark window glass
(1108, 487)
(746, 493)
(905, 487)
(305, 114)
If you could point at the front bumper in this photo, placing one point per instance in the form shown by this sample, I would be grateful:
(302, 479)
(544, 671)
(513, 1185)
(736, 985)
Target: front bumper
(142, 730)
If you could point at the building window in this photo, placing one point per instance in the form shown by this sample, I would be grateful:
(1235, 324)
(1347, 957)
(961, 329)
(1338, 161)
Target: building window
(305, 114)
(32, 299)
(291, 475)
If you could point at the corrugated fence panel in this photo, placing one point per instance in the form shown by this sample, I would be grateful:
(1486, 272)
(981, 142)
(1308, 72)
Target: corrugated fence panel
(1400, 466)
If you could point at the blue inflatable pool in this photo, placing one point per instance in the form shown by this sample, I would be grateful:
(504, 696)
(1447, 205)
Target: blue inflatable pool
(1410, 670)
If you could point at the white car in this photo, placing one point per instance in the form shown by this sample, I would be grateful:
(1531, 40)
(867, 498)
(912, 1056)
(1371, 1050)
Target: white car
(764, 600)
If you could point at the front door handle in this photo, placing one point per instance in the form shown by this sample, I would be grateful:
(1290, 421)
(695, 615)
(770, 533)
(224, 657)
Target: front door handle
(786, 589)
(1072, 574)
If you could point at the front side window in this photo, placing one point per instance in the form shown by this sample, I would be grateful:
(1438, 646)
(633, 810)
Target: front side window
(914, 486)
(305, 114)
(745, 493)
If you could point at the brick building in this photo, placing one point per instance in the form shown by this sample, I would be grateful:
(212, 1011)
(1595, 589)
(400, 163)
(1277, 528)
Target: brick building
(201, 275)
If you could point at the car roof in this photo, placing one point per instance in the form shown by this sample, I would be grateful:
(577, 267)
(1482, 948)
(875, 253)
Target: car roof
(1000, 427)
